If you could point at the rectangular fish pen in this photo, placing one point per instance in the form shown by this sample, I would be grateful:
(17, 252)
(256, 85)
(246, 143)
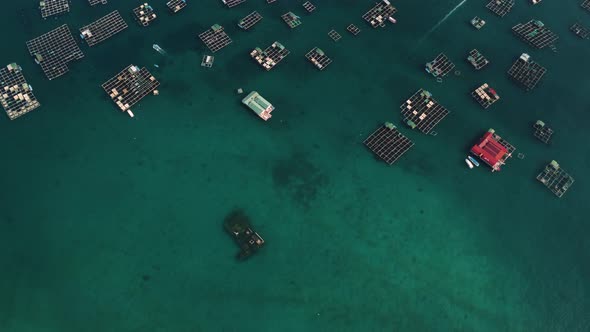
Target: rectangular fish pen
(215, 38)
(176, 5)
(318, 58)
(586, 5)
(250, 20)
(379, 14)
(440, 66)
(309, 7)
(581, 31)
(542, 132)
(291, 20)
(485, 95)
(388, 143)
(97, 2)
(526, 72)
(232, 3)
(477, 60)
(130, 86)
(53, 7)
(271, 56)
(103, 28)
(500, 7)
(16, 95)
(423, 112)
(144, 14)
(535, 33)
(353, 29)
(555, 179)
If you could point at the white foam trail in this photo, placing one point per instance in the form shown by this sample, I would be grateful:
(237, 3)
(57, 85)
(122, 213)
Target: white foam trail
(442, 20)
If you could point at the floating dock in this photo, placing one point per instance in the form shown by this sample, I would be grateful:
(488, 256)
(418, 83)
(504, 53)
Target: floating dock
(555, 179)
(334, 35)
(477, 60)
(291, 19)
(535, 33)
(440, 66)
(319, 59)
(262, 107)
(309, 7)
(130, 86)
(581, 31)
(16, 95)
(526, 72)
(232, 3)
(103, 28)
(422, 111)
(176, 5)
(54, 50)
(478, 22)
(388, 143)
(379, 14)
(237, 225)
(250, 20)
(144, 14)
(493, 150)
(586, 5)
(215, 38)
(353, 29)
(542, 132)
(53, 7)
(97, 2)
(500, 7)
(271, 56)
(485, 95)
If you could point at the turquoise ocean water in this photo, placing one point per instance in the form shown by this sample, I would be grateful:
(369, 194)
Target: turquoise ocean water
(109, 223)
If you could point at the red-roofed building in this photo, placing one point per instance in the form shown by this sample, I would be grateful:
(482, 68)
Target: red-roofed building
(490, 151)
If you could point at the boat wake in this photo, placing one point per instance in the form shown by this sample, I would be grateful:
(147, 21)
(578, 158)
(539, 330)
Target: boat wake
(439, 23)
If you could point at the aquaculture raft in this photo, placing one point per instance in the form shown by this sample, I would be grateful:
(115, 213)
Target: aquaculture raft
(53, 7)
(380, 13)
(103, 28)
(586, 5)
(144, 14)
(353, 29)
(250, 20)
(526, 72)
(291, 19)
(271, 56)
(477, 60)
(388, 143)
(477, 22)
(485, 95)
(535, 34)
(232, 3)
(207, 61)
(54, 50)
(176, 5)
(555, 178)
(440, 66)
(308, 6)
(238, 227)
(262, 107)
(16, 95)
(422, 111)
(334, 35)
(130, 86)
(580, 31)
(500, 7)
(215, 38)
(542, 132)
(319, 59)
(493, 150)
(97, 2)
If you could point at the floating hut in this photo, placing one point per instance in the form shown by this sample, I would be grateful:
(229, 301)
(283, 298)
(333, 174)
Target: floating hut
(535, 33)
(555, 179)
(215, 38)
(53, 7)
(291, 19)
(388, 143)
(271, 56)
(207, 61)
(308, 6)
(500, 7)
(250, 20)
(440, 66)
(232, 3)
(353, 29)
(478, 22)
(477, 60)
(422, 111)
(581, 31)
(103, 28)
(97, 2)
(176, 5)
(493, 150)
(238, 227)
(485, 95)
(16, 95)
(318, 58)
(334, 35)
(130, 86)
(542, 132)
(526, 72)
(262, 107)
(144, 14)
(54, 50)
(379, 14)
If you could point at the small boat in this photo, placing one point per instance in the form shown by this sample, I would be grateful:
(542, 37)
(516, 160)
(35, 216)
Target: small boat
(468, 163)
(473, 161)
(392, 20)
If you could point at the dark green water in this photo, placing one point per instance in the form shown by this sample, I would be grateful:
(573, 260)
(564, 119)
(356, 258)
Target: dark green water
(114, 224)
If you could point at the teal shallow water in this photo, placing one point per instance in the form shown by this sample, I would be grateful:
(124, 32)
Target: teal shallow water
(111, 223)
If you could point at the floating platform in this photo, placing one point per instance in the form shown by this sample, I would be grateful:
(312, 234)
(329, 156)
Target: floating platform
(308, 6)
(130, 86)
(493, 150)
(478, 22)
(144, 14)
(207, 61)
(388, 143)
(16, 95)
(581, 31)
(485, 95)
(422, 111)
(542, 132)
(318, 58)
(291, 19)
(555, 179)
(379, 14)
(97, 2)
(237, 225)
(500, 7)
(586, 5)
(334, 35)
(477, 60)
(232, 3)
(53, 7)
(535, 33)
(54, 50)
(176, 5)
(250, 20)
(215, 38)
(103, 28)
(262, 107)
(526, 72)
(440, 66)
(353, 29)
(271, 56)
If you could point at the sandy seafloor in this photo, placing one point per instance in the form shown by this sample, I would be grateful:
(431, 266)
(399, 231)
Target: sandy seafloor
(109, 223)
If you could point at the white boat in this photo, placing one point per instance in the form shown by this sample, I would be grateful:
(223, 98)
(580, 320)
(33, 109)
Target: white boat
(473, 161)
(468, 163)
(392, 20)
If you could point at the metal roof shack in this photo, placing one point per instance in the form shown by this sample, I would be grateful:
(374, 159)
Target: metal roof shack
(490, 151)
